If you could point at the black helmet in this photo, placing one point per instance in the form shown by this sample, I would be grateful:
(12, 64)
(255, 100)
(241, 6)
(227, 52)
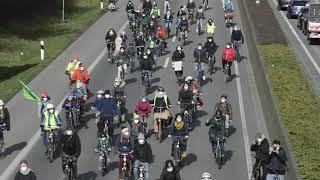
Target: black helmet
(218, 114)
(210, 20)
(131, 45)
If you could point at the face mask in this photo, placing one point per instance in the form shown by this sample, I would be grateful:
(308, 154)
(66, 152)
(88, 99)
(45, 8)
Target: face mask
(185, 87)
(1, 107)
(179, 49)
(126, 133)
(228, 46)
(259, 140)
(121, 50)
(160, 92)
(23, 168)
(51, 111)
(69, 98)
(223, 100)
(144, 100)
(199, 47)
(45, 99)
(99, 95)
(141, 141)
(82, 68)
(170, 169)
(145, 57)
(236, 28)
(210, 40)
(179, 119)
(107, 96)
(136, 121)
(75, 60)
(148, 52)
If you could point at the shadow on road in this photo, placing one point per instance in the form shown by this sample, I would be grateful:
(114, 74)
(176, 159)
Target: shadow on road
(131, 80)
(13, 148)
(87, 176)
(189, 159)
(227, 156)
(205, 82)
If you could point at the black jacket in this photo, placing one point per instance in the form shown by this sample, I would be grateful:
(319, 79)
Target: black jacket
(210, 47)
(147, 5)
(277, 162)
(129, 7)
(174, 175)
(199, 55)
(191, 5)
(237, 36)
(142, 152)
(178, 56)
(147, 64)
(262, 150)
(160, 102)
(185, 96)
(184, 23)
(30, 176)
(119, 91)
(71, 147)
(110, 38)
(140, 41)
(6, 118)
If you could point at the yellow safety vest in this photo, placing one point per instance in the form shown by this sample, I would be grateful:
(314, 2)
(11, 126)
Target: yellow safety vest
(72, 67)
(165, 100)
(211, 28)
(52, 120)
(158, 12)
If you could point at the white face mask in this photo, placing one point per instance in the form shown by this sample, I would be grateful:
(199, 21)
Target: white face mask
(51, 111)
(236, 28)
(170, 169)
(69, 98)
(82, 68)
(179, 49)
(210, 40)
(179, 119)
(144, 100)
(107, 96)
(161, 92)
(126, 133)
(186, 87)
(223, 100)
(121, 50)
(23, 168)
(199, 47)
(259, 140)
(99, 95)
(148, 52)
(136, 121)
(228, 46)
(141, 141)
(45, 99)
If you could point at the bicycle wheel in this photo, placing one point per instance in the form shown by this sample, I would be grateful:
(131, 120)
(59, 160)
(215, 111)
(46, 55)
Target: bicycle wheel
(51, 152)
(159, 131)
(218, 155)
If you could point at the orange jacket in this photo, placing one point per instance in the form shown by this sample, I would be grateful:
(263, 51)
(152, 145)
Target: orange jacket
(161, 33)
(81, 75)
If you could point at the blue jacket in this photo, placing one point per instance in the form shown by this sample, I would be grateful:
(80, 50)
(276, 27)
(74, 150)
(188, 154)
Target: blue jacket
(183, 131)
(106, 106)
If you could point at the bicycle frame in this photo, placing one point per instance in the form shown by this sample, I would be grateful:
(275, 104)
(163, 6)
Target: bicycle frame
(125, 171)
(68, 171)
(141, 172)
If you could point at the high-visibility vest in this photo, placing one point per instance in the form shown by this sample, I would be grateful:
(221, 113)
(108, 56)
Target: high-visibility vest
(165, 100)
(211, 28)
(51, 121)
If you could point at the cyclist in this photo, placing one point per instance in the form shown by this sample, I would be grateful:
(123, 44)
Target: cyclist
(210, 27)
(147, 6)
(70, 147)
(191, 5)
(151, 29)
(210, 47)
(186, 101)
(168, 18)
(161, 39)
(143, 108)
(261, 148)
(170, 172)
(140, 44)
(81, 80)
(161, 105)
(42, 105)
(106, 108)
(184, 25)
(124, 145)
(145, 20)
(147, 66)
(104, 144)
(131, 54)
(180, 129)
(155, 11)
(200, 16)
(237, 39)
(228, 56)
(192, 83)
(110, 40)
(119, 93)
(136, 127)
(142, 154)
(25, 172)
(72, 103)
(122, 61)
(206, 176)
(205, 4)
(72, 65)
(216, 131)
(4, 121)
(181, 12)
(130, 9)
(226, 110)
(124, 38)
(177, 58)
(228, 7)
(200, 57)
(152, 51)
(51, 121)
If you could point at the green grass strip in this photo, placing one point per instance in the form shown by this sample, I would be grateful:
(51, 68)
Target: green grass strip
(298, 106)
(24, 36)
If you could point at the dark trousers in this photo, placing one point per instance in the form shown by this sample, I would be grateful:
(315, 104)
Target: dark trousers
(224, 62)
(264, 168)
(1, 138)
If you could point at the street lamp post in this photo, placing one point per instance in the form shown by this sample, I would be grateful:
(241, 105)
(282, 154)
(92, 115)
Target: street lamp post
(62, 10)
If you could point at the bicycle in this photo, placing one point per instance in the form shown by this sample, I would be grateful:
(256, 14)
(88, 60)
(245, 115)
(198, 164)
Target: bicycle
(228, 16)
(226, 70)
(120, 108)
(103, 156)
(188, 113)
(200, 73)
(52, 145)
(161, 124)
(257, 172)
(68, 170)
(110, 46)
(211, 62)
(199, 25)
(2, 128)
(73, 116)
(141, 172)
(126, 167)
(218, 153)
(177, 151)
(146, 81)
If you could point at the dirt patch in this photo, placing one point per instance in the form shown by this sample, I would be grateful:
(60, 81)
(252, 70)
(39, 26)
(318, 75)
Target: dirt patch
(265, 23)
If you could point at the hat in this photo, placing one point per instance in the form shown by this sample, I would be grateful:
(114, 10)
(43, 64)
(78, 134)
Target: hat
(125, 130)
(44, 95)
(141, 136)
(224, 96)
(107, 91)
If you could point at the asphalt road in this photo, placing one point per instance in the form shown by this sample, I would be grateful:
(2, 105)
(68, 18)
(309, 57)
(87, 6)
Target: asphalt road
(90, 46)
(308, 55)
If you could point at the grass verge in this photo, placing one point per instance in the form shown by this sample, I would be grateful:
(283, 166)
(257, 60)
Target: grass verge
(23, 36)
(298, 107)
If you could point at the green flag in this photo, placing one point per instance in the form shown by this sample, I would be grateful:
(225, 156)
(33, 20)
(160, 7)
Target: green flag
(28, 94)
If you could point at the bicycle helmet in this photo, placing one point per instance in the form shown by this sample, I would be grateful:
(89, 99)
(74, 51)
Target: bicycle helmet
(100, 92)
(44, 95)
(1, 102)
(50, 106)
(188, 78)
(131, 45)
(160, 89)
(206, 176)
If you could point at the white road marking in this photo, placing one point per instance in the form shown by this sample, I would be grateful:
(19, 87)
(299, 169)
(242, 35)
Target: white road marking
(12, 168)
(174, 38)
(300, 41)
(166, 62)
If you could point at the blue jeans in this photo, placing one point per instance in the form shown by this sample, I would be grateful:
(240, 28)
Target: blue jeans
(199, 21)
(275, 177)
(237, 45)
(198, 66)
(136, 169)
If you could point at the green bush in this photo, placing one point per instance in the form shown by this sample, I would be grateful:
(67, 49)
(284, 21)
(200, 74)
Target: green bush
(299, 107)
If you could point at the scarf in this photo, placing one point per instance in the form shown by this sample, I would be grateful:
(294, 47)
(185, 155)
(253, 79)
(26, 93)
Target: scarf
(179, 125)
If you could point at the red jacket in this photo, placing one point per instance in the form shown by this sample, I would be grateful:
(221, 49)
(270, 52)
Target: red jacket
(143, 108)
(81, 75)
(228, 54)
(161, 33)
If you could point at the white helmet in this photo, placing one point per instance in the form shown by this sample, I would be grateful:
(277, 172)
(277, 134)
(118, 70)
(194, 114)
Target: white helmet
(206, 176)
(188, 78)
(1, 102)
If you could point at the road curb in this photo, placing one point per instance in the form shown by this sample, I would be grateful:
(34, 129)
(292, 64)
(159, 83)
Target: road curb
(273, 120)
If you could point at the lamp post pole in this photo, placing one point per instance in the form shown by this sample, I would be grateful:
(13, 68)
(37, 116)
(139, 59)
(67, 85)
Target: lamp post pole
(62, 10)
